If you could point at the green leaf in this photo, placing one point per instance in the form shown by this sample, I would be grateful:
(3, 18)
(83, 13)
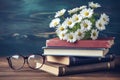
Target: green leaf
(87, 35)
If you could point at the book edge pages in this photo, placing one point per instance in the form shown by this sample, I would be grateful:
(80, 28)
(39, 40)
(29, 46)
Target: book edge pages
(58, 59)
(54, 70)
(65, 52)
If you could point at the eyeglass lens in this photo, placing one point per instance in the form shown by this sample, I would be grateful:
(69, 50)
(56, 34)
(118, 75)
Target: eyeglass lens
(35, 61)
(18, 61)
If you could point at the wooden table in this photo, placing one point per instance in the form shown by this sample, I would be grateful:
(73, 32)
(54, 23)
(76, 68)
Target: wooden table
(6, 73)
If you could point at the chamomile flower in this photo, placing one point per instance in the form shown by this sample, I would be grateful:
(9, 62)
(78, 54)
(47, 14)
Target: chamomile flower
(94, 34)
(76, 18)
(54, 22)
(62, 35)
(82, 7)
(86, 25)
(86, 13)
(60, 13)
(71, 37)
(100, 25)
(74, 10)
(94, 5)
(61, 28)
(104, 18)
(79, 23)
(69, 22)
(80, 34)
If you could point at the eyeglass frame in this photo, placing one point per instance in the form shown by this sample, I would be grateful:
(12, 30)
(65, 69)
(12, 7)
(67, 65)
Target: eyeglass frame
(25, 58)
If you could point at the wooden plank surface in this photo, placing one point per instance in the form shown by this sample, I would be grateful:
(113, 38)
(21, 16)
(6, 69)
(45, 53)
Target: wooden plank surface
(6, 73)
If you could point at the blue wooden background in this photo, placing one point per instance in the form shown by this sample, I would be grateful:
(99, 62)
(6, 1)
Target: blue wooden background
(24, 24)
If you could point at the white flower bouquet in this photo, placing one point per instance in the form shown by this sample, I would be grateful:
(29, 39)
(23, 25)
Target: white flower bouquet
(81, 23)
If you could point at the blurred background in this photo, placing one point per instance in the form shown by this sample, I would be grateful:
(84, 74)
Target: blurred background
(24, 24)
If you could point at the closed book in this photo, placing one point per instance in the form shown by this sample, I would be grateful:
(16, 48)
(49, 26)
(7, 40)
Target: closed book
(62, 70)
(73, 60)
(99, 43)
(62, 51)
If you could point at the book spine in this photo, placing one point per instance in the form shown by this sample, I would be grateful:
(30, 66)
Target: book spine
(87, 68)
(80, 43)
(80, 61)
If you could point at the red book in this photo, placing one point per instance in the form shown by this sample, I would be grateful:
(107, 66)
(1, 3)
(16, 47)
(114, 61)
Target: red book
(99, 43)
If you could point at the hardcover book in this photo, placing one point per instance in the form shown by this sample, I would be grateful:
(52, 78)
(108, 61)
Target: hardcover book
(99, 43)
(62, 51)
(73, 60)
(61, 70)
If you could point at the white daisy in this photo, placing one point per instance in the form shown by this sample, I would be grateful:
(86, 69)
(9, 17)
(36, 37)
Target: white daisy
(104, 18)
(71, 37)
(100, 25)
(54, 22)
(86, 25)
(61, 28)
(79, 34)
(94, 5)
(74, 10)
(60, 13)
(76, 18)
(86, 13)
(69, 22)
(62, 35)
(94, 34)
(82, 7)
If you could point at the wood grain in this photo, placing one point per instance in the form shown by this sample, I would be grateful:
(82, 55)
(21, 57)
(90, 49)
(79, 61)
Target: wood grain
(6, 73)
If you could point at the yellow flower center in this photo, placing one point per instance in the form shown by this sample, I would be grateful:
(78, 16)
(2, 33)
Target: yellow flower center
(69, 22)
(94, 34)
(61, 28)
(100, 24)
(94, 6)
(85, 25)
(86, 13)
(62, 35)
(61, 13)
(76, 18)
(104, 19)
(70, 37)
(79, 33)
(55, 23)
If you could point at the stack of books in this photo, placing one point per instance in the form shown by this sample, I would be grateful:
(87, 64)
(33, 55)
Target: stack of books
(64, 58)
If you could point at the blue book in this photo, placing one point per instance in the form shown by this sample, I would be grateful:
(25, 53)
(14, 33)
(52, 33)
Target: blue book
(73, 60)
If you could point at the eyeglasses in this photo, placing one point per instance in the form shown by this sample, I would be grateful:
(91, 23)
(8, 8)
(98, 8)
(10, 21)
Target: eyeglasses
(17, 62)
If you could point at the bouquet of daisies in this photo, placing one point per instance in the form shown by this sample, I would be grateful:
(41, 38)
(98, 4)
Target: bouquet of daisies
(79, 23)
